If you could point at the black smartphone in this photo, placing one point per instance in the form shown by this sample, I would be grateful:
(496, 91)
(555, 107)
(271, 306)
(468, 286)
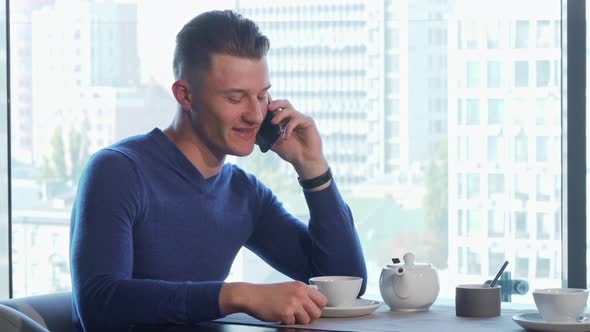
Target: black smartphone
(268, 133)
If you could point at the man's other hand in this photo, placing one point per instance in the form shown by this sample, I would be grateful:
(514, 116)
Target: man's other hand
(288, 302)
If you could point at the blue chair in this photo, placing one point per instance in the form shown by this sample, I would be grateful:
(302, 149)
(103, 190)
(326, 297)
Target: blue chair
(40, 313)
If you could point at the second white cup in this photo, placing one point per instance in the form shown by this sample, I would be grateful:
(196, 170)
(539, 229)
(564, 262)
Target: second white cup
(560, 305)
(341, 291)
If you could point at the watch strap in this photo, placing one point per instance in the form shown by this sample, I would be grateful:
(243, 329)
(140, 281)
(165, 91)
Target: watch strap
(317, 181)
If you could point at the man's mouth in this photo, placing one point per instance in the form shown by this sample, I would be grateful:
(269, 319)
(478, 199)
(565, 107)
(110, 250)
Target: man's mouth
(245, 130)
(246, 133)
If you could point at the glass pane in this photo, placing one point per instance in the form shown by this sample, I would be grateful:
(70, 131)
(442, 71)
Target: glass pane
(522, 34)
(494, 74)
(432, 146)
(114, 81)
(487, 54)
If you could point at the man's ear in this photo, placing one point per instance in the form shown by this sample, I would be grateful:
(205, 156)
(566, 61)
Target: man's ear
(181, 90)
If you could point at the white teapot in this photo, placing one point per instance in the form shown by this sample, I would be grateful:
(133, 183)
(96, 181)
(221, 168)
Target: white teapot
(409, 286)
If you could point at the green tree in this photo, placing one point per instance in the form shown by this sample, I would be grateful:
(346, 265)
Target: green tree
(78, 152)
(436, 206)
(55, 165)
(56, 162)
(266, 167)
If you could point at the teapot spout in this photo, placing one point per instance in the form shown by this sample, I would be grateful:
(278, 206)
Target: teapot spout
(401, 285)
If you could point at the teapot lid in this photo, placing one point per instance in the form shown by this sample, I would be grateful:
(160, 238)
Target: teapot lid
(409, 262)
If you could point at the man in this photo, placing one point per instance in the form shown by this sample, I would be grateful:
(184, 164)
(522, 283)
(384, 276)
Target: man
(159, 218)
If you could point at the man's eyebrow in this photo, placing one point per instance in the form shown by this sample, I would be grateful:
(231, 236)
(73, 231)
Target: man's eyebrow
(234, 90)
(241, 91)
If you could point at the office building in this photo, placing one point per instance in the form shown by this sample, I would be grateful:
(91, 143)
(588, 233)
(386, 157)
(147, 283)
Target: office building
(504, 141)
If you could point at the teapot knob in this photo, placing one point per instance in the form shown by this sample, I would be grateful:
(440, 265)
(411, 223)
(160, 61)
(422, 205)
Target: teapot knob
(409, 258)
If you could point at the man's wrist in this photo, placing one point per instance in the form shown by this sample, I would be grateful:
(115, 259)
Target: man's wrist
(316, 182)
(232, 297)
(311, 169)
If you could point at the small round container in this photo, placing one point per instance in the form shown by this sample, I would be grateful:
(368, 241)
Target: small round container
(477, 300)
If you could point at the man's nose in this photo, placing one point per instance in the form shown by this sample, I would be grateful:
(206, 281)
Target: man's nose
(255, 112)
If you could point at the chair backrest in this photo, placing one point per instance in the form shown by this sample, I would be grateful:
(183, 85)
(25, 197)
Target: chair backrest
(51, 311)
(12, 320)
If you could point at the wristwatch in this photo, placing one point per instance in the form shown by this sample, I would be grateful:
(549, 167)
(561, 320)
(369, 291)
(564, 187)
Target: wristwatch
(317, 181)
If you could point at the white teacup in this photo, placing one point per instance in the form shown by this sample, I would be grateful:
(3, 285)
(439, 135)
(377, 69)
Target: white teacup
(560, 305)
(341, 291)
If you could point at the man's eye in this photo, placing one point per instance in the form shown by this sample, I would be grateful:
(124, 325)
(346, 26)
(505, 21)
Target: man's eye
(262, 98)
(234, 100)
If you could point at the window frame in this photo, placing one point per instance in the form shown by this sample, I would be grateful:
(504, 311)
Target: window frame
(573, 235)
(5, 220)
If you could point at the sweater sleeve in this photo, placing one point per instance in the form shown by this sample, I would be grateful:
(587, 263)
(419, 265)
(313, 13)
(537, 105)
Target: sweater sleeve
(329, 245)
(106, 296)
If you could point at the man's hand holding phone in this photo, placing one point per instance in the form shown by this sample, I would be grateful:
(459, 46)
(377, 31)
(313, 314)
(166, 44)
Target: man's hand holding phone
(300, 143)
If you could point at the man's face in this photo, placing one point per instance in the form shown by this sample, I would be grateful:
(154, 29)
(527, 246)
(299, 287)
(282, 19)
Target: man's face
(230, 103)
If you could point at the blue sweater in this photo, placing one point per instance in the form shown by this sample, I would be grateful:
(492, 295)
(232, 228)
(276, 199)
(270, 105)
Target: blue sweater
(152, 240)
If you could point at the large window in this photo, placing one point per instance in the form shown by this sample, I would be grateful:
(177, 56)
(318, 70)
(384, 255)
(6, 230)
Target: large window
(407, 97)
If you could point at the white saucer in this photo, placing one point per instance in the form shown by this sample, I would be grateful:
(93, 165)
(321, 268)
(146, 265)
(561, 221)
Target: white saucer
(360, 307)
(534, 322)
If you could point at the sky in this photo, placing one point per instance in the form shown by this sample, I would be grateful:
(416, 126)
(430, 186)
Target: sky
(158, 24)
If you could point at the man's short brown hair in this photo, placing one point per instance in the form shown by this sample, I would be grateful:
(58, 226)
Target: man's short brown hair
(221, 32)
